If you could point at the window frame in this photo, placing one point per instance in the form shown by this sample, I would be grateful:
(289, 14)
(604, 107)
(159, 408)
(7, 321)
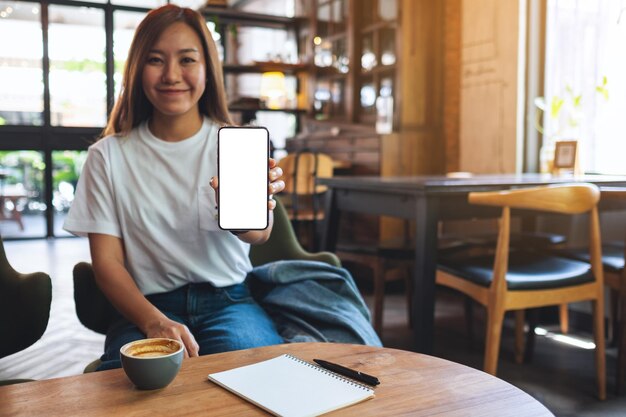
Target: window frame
(48, 138)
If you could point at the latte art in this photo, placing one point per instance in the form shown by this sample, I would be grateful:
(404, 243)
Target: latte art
(148, 354)
(152, 348)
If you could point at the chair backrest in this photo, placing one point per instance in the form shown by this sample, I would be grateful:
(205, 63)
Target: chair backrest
(96, 312)
(560, 198)
(24, 306)
(93, 309)
(283, 244)
(300, 170)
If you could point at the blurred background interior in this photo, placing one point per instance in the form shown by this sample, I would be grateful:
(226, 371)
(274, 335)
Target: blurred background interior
(367, 87)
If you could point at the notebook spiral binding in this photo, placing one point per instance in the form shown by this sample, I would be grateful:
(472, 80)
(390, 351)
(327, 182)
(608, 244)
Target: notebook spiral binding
(330, 373)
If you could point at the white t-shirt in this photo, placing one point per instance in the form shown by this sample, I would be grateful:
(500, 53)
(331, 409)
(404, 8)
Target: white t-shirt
(155, 196)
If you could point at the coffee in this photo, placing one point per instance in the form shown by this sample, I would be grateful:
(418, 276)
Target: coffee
(148, 354)
(151, 348)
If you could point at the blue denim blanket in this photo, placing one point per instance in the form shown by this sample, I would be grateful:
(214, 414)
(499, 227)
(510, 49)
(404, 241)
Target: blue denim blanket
(312, 301)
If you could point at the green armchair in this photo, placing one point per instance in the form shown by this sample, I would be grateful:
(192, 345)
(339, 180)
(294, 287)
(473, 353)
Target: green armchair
(283, 244)
(96, 312)
(25, 307)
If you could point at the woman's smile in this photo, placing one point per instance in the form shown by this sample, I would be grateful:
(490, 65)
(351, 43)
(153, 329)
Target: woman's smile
(171, 92)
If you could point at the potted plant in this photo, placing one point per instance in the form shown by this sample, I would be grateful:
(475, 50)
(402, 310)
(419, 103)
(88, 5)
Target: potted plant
(566, 115)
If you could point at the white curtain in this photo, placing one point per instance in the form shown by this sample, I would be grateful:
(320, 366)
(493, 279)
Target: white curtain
(585, 42)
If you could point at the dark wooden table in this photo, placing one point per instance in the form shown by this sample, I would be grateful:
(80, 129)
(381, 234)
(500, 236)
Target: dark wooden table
(411, 384)
(427, 200)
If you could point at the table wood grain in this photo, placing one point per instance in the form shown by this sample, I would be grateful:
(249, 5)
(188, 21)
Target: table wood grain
(411, 384)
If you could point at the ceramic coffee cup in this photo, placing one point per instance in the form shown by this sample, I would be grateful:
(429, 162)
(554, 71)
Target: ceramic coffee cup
(152, 363)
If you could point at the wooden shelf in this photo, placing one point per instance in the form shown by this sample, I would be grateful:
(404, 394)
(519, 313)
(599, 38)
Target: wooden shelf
(379, 69)
(363, 30)
(227, 21)
(329, 72)
(338, 36)
(228, 15)
(372, 27)
(261, 67)
(291, 111)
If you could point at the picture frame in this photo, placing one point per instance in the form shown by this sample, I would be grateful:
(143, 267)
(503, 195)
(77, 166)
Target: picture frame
(565, 155)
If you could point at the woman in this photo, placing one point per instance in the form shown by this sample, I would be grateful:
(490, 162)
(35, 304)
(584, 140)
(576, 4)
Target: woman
(146, 200)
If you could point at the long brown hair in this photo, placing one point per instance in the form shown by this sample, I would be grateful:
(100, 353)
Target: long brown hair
(132, 106)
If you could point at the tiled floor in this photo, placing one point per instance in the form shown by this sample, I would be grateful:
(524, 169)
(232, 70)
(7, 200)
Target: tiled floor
(562, 377)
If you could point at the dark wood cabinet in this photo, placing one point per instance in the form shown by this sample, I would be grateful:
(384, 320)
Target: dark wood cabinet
(342, 54)
(355, 54)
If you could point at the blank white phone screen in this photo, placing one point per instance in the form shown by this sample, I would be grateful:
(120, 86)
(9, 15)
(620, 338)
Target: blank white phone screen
(242, 161)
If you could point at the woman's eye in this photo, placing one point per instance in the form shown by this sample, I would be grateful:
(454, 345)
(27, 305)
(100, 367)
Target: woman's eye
(188, 60)
(154, 60)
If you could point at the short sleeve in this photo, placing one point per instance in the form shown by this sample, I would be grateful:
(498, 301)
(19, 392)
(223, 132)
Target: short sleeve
(93, 208)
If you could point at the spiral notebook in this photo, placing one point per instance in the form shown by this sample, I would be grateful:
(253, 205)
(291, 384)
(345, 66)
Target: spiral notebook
(290, 387)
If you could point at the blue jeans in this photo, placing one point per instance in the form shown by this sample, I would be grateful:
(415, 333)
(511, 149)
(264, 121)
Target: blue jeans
(221, 320)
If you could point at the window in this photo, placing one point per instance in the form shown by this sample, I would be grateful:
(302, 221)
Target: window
(21, 74)
(36, 150)
(66, 168)
(43, 133)
(22, 190)
(125, 24)
(141, 3)
(584, 44)
(77, 73)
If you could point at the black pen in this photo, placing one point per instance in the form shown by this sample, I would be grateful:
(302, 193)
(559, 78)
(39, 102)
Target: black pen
(350, 373)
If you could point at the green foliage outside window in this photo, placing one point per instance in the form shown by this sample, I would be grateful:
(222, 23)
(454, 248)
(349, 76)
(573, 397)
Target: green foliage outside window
(25, 170)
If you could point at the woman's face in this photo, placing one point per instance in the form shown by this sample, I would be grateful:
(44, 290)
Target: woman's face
(174, 75)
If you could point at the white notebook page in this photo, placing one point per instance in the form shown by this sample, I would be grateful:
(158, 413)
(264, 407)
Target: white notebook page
(287, 386)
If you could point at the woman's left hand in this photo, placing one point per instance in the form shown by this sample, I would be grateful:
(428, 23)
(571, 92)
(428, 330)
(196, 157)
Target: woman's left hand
(276, 185)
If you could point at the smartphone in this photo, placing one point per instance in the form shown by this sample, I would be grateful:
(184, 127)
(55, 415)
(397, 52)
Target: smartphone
(242, 170)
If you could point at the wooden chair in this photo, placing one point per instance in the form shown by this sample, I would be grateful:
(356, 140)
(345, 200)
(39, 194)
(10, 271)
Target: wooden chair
(518, 279)
(534, 240)
(613, 255)
(392, 260)
(526, 240)
(383, 260)
(301, 195)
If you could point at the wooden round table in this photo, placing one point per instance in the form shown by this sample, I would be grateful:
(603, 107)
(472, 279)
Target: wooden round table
(411, 384)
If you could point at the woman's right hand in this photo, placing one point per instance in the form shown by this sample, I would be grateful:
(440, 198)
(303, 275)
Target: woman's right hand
(108, 258)
(165, 327)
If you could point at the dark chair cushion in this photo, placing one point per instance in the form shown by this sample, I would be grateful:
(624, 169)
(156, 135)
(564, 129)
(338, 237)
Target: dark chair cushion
(520, 240)
(612, 256)
(25, 307)
(92, 308)
(526, 270)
